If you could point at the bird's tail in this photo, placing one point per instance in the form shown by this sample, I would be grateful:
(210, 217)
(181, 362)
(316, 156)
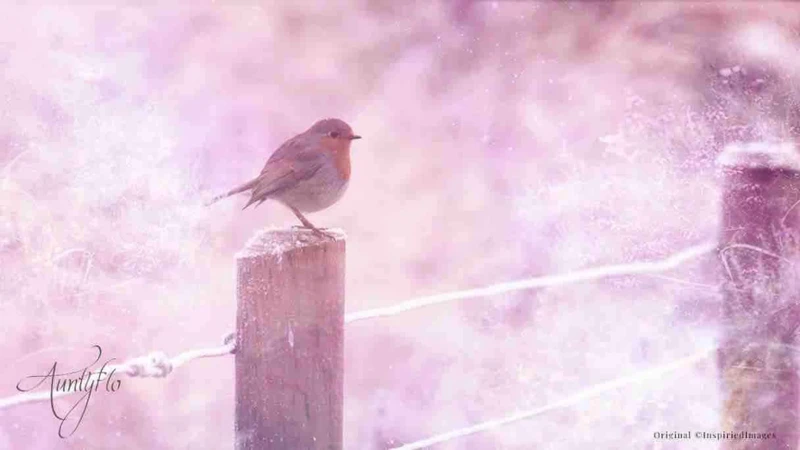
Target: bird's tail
(249, 185)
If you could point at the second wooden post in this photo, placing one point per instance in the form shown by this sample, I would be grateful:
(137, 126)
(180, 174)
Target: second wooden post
(758, 251)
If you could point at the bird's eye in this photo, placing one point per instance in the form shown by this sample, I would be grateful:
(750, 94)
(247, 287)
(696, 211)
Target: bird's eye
(334, 134)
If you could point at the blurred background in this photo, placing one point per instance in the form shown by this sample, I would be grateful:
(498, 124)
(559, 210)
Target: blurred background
(502, 140)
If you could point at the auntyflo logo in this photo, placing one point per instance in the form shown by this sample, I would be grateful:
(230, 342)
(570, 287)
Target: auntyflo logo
(62, 383)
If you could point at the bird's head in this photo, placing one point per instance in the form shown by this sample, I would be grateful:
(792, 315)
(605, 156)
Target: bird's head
(335, 136)
(334, 129)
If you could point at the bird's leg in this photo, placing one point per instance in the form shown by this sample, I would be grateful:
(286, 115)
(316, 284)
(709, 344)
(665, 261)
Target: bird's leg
(306, 223)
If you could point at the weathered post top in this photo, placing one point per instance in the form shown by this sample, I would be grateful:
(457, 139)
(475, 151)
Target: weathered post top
(290, 341)
(760, 155)
(276, 241)
(758, 247)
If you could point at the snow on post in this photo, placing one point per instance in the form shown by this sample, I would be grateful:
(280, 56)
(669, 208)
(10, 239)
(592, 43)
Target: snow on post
(758, 251)
(290, 338)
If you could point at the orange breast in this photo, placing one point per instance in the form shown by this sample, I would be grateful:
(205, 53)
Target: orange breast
(341, 155)
(342, 159)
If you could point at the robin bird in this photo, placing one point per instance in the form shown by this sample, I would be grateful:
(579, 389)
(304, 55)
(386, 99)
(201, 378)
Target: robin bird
(308, 173)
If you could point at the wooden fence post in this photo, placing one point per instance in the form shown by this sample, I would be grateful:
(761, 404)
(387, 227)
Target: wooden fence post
(290, 339)
(758, 250)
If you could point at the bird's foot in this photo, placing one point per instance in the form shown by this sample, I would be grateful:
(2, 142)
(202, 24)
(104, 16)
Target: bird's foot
(315, 230)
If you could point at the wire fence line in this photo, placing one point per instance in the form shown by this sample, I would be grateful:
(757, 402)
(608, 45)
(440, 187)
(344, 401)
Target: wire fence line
(594, 273)
(571, 400)
(154, 365)
(158, 365)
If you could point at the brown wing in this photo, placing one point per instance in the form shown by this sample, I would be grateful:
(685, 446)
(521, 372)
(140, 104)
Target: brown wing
(282, 174)
(298, 148)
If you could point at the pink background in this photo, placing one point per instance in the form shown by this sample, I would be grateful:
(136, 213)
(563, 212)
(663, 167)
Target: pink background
(501, 140)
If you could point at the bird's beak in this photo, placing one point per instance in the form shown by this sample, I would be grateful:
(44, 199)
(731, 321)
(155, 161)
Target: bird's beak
(354, 137)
